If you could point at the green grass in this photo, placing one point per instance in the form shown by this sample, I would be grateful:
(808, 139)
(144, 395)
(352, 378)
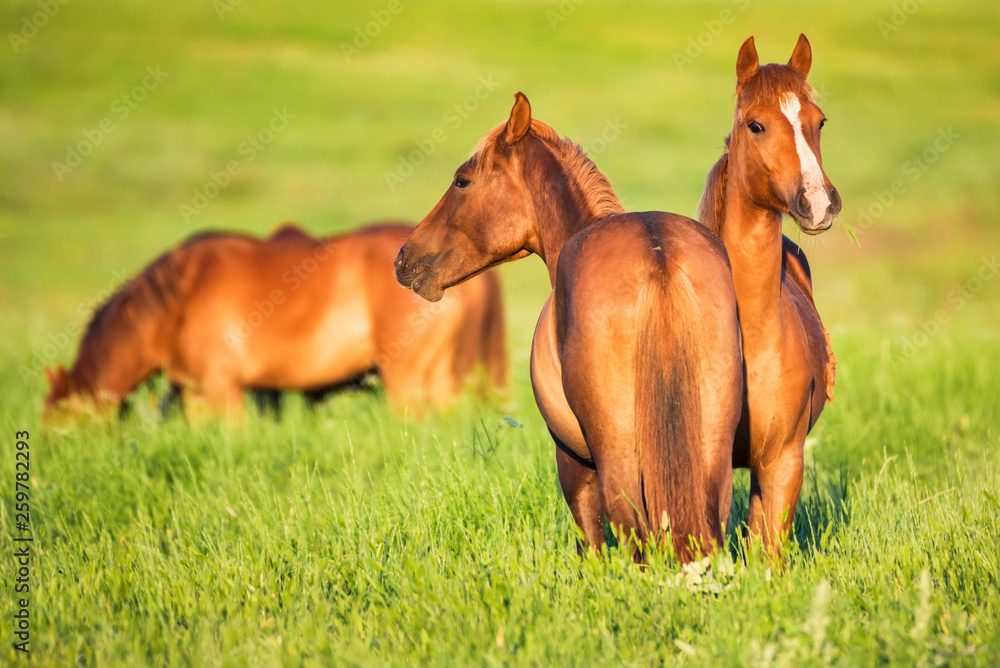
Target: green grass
(355, 536)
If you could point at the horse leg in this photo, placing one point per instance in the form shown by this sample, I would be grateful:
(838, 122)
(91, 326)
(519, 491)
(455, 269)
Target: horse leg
(774, 494)
(721, 487)
(224, 398)
(612, 446)
(172, 400)
(402, 385)
(621, 497)
(267, 401)
(579, 487)
(719, 417)
(755, 510)
(440, 381)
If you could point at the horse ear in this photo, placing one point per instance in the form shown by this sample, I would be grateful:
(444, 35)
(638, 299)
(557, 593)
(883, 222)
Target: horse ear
(802, 56)
(519, 121)
(747, 61)
(60, 379)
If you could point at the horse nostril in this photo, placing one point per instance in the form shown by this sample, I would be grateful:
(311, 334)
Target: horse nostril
(803, 203)
(835, 203)
(400, 259)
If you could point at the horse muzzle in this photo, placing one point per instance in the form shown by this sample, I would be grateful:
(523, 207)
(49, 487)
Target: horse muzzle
(802, 210)
(417, 276)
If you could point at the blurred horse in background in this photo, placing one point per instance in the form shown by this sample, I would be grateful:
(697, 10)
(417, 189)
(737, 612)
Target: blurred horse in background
(224, 312)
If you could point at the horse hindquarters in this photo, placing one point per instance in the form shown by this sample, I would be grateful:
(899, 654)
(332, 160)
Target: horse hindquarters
(632, 380)
(577, 475)
(651, 364)
(682, 488)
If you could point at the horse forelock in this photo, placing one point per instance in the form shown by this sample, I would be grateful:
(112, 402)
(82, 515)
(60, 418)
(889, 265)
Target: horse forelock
(484, 152)
(600, 196)
(768, 86)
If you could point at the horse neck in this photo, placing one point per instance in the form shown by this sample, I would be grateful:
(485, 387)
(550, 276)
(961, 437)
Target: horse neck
(561, 206)
(752, 236)
(113, 361)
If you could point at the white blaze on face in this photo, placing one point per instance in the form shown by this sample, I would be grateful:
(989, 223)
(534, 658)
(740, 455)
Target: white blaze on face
(812, 174)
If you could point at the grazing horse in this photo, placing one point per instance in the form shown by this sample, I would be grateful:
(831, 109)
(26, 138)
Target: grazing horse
(772, 166)
(635, 361)
(224, 312)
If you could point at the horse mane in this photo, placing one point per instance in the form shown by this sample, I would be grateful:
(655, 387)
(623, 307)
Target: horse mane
(711, 209)
(770, 83)
(595, 187)
(152, 293)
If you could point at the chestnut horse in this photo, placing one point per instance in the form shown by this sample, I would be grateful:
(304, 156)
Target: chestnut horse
(772, 167)
(635, 361)
(227, 312)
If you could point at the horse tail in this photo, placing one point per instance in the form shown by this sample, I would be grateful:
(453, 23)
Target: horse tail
(494, 336)
(668, 415)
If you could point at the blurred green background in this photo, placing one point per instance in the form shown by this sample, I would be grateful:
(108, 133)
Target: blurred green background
(429, 542)
(586, 67)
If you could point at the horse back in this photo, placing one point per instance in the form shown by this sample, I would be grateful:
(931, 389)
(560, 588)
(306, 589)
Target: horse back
(618, 253)
(289, 232)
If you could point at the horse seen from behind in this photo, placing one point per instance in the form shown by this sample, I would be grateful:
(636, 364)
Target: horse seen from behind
(635, 361)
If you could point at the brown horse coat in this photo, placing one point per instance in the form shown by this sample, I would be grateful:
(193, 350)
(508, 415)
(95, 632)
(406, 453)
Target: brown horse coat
(635, 362)
(773, 167)
(227, 312)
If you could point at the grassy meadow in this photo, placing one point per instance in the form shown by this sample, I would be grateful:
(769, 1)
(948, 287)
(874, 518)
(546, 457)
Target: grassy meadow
(355, 535)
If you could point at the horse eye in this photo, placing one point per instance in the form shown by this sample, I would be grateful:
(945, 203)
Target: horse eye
(461, 182)
(822, 123)
(755, 127)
